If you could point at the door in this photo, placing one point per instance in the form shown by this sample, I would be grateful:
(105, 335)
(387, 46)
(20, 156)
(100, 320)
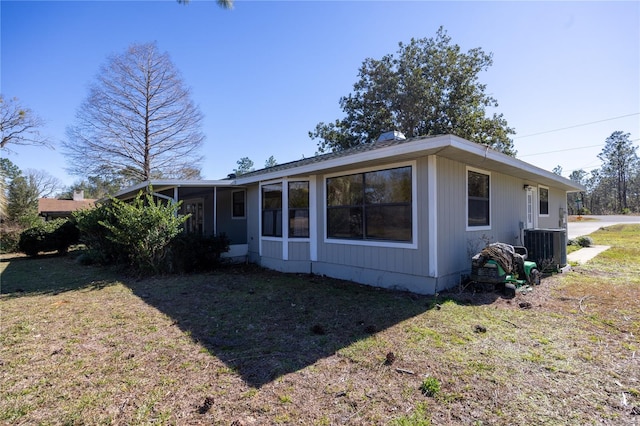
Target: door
(195, 210)
(532, 216)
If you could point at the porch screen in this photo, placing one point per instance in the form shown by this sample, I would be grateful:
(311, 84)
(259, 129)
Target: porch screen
(373, 205)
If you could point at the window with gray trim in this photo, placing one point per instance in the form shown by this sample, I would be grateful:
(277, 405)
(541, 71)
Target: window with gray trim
(238, 201)
(478, 202)
(544, 201)
(272, 210)
(299, 209)
(374, 205)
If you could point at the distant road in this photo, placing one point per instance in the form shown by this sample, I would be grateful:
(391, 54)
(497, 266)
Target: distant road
(591, 224)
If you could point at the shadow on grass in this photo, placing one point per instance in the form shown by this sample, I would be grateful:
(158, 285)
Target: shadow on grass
(264, 324)
(49, 273)
(261, 324)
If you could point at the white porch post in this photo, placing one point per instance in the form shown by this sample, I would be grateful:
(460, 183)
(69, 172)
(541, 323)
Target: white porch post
(432, 212)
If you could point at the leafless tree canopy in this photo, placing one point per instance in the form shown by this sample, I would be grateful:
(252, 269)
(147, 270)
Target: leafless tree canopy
(19, 125)
(48, 186)
(138, 121)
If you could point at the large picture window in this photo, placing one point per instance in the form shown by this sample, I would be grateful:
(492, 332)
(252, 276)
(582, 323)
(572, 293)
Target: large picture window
(478, 199)
(544, 201)
(374, 205)
(298, 209)
(272, 210)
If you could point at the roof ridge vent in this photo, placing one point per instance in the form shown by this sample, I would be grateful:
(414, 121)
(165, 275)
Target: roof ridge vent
(393, 135)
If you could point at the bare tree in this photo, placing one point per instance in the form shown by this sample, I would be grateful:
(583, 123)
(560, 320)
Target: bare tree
(46, 184)
(138, 122)
(19, 125)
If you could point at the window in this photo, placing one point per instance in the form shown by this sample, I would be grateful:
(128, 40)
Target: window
(374, 205)
(299, 209)
(238, 201)
(272, 210)
(544, 201)
(478, 206)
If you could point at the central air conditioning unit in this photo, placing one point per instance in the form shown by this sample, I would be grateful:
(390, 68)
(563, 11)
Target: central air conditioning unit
(547, 247)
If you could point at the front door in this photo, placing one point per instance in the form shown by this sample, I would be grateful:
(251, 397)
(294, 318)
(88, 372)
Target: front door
(532, 214)
(195, 209)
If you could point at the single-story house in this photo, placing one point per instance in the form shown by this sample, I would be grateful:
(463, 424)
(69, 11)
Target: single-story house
(51, 208)
(399, 213)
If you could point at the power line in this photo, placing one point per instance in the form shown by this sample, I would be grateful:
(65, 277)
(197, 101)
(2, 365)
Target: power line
(577, 125)
(570, 149)
(562, 150)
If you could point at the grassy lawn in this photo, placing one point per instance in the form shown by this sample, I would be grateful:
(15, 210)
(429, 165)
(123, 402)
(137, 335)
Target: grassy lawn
(244, 346)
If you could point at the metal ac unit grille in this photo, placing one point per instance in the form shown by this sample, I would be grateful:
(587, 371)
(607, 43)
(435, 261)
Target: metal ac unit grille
(547, 247)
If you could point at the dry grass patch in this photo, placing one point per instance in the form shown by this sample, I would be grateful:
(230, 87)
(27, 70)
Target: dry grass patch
(82, 345)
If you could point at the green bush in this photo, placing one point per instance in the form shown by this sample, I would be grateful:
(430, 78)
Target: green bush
(583, 241)
(9, 236)
(94, 235)
(146, 235)
(140, 230)
(56, 235)
(196, 253)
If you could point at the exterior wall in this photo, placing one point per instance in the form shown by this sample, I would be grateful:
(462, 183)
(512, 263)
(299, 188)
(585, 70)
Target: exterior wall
(457, 245)
(299, 251)
(441, 195)
(236, 229)
(557, 203)
(508, 208)
(253, 227)
(383, 266)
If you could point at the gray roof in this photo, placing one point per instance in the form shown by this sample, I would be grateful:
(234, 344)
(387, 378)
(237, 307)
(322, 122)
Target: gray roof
(381, 152)
(446, 146)
(328, 156)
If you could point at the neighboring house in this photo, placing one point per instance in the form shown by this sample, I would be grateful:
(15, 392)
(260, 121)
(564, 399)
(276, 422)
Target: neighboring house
(405, 214)
(50, 208)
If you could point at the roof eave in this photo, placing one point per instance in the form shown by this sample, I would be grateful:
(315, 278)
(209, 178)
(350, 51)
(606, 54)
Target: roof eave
(448, 146)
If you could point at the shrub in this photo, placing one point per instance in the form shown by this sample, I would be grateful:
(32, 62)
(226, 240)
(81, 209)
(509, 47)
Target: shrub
(94, 235)
(196, 253)
(583, 241)
(9, 236)
(143, 229)
(56, 235)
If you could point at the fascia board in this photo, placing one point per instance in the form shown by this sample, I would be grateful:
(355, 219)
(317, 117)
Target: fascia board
(163, 184)
(450, 146)
(426, 146)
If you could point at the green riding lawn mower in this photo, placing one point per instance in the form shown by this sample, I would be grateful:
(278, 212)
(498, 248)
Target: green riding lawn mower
(505, 267)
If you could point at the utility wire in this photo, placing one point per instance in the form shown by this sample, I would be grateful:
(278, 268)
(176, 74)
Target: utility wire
(562, 150)
(569, 149)
(577, 125)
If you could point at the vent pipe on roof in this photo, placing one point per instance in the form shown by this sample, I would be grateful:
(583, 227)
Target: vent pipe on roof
(391, 136)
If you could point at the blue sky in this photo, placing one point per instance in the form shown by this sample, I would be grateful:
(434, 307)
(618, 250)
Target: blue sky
(265, 73)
